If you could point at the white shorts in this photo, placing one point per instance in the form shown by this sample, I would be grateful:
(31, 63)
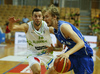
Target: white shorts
(8, 35)
(47, 60)
(32, 61)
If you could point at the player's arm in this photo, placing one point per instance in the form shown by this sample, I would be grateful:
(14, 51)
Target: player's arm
(58, 47)
(51, 30)
(22, 27)
(12, 27)
(69, 33)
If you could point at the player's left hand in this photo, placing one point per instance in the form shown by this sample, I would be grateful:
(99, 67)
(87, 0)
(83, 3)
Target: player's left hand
(63, 56)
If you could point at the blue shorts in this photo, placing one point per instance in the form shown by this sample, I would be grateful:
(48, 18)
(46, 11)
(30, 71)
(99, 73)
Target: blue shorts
(82, 65)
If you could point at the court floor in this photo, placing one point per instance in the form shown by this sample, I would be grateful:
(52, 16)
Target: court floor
(13, 60)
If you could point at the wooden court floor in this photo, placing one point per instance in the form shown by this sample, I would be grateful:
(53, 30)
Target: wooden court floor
(8, 50)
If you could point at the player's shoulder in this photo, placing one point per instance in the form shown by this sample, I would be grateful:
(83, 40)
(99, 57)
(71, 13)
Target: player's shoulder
(44, 23)
(30, 22)
(65, 25)
(62, 23)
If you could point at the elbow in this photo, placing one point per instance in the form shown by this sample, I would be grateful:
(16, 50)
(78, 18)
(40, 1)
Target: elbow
(82, 43)
(10, 29)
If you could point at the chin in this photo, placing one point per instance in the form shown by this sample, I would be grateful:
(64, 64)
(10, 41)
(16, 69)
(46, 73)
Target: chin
(49, 25)
(37, 24)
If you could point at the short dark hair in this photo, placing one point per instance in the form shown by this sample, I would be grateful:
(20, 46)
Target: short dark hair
(36, 10)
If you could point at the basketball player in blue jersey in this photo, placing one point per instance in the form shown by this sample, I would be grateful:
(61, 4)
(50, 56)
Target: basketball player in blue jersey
(79, 52)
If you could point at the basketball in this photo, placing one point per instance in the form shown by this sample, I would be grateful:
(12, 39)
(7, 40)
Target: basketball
(62, 66)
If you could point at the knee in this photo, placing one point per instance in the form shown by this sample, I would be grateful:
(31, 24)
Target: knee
(36, 69)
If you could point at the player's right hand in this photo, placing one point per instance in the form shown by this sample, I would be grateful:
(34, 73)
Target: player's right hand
(49, 49)
(13, 20)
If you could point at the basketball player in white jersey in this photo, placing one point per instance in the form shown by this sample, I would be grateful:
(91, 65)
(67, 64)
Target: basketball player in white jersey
(38, 37)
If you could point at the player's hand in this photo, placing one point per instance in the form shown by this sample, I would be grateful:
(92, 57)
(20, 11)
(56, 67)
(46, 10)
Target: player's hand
(13, 20)
(63, 56)
(49, 49)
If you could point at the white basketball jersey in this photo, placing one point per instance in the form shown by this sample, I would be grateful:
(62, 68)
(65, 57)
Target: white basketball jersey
(38, 40)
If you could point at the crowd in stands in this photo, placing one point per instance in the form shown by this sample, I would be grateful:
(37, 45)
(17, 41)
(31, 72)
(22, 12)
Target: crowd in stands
(68, 14)
(76, 18)
(23, 13)
(71, 15)
(95, 21)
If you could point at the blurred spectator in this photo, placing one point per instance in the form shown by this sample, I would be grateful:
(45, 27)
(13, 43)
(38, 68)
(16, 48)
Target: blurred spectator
(72, 15)
(67, 15)
(77, 14)
(99, 17)
(93, 20)
(95, 27)
(8, 34)
(77, 22)
(24, 20)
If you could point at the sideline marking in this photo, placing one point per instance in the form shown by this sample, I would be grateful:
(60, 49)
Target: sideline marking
(12, 68)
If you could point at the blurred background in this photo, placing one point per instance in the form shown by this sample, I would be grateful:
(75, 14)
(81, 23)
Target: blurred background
(84, 14)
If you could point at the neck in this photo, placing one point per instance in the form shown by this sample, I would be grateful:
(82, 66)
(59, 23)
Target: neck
(37, 27)
(56, 25)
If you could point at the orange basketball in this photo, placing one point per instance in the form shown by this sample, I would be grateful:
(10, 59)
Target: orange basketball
(62, 66)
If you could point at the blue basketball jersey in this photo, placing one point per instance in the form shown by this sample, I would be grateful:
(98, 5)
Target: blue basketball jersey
(70, 43)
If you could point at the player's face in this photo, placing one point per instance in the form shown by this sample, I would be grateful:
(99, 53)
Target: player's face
(48, 18)
(37, 18)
